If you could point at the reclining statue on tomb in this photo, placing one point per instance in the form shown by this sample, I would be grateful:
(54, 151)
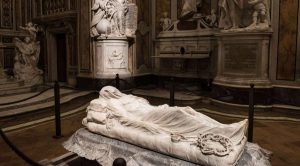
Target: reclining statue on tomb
(177, 131)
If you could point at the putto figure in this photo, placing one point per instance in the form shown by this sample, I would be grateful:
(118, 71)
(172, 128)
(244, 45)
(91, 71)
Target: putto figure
(109, 18)
(32, 29)
(165, 22)
(260, 13)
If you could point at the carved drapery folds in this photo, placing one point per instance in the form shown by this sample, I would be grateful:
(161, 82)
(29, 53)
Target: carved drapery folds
(244, 15)
(110, 18)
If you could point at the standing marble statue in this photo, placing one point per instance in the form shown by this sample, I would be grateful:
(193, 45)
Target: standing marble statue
(189, 8)
(27, 57)
(109, 18)
(230, 13)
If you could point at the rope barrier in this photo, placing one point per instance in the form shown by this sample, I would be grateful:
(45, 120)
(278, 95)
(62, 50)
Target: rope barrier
(28, 98)
(17, 151)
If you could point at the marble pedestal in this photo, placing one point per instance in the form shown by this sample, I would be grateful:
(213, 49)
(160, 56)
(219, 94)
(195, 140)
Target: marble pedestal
(243, 59)
(111, 58)
(104, 150)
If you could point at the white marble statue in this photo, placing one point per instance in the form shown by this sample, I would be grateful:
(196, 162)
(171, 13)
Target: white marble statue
(189, 8)
(212, 18)
(32, 29)
(230, 13)
(109, 18)
(27, 57)
(165, 22)
(260, 16)
(233, 11)
(177, 131)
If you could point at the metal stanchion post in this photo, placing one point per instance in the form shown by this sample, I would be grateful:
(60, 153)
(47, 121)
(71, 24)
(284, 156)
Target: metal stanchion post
(251, 113)
(119, 162)
(57, 111)
(172, 92)
(117, 81)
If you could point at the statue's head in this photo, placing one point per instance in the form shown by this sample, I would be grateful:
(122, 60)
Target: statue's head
(30, 24)
(27, 39)
(165, 14)
(109, 92)
(213, 11)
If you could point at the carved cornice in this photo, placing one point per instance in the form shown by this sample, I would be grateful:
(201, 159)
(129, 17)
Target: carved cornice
(46, 20)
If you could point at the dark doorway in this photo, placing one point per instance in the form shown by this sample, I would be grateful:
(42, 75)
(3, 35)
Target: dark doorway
(61, 58)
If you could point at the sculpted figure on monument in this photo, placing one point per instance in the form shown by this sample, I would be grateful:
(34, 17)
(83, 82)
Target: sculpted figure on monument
(109, 17)
(165, 22)
(99, 9)
(230, 13)
(189, 8)
(212, 18)
(27, 57)
(260, 16)
(32, 29)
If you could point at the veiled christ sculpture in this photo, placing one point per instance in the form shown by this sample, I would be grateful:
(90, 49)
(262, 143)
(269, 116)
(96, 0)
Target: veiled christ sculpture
(177, 131)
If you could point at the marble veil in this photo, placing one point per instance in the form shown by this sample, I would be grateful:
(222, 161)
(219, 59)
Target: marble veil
(177, 131)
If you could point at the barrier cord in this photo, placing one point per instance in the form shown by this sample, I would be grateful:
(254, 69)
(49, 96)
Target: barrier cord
(17, 151)
(15, 102)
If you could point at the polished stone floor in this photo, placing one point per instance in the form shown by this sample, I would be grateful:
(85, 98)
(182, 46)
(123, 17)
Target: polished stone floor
(35, 140)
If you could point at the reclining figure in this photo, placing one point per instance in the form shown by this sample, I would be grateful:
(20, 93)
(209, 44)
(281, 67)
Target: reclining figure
(177, 131)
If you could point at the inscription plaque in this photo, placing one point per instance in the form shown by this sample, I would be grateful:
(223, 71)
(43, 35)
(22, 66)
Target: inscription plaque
(240, 58)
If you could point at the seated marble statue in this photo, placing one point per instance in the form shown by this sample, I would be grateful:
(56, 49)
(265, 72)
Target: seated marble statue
(176, 131)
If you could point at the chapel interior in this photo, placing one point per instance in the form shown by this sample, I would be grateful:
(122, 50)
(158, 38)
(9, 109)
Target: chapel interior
(229, 60)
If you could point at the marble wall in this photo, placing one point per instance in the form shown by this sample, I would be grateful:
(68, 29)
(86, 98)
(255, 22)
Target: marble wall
(85, 44)
(287, 43)
(143, 37)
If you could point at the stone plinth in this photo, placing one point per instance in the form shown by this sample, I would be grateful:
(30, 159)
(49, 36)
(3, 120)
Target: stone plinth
(243, 59)
(111, 58)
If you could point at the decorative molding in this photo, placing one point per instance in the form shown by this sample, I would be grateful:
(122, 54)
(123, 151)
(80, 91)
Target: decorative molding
(6, 8)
